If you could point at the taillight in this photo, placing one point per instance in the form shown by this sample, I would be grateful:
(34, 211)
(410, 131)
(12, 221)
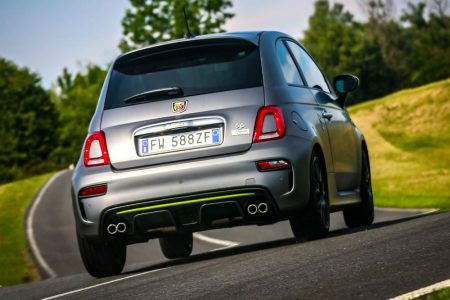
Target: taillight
(95, 151)
(92, 191)
(278, 131)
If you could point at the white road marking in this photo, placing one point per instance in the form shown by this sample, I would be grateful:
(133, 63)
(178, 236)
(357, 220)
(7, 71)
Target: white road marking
(101, 284)
(419, 211)
(207, 239)
(423, 291)
(30, 233)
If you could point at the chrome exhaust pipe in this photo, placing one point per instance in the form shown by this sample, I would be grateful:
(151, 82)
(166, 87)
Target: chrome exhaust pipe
(263, 208)
(121, 227)
(252, 209)
(112, 229)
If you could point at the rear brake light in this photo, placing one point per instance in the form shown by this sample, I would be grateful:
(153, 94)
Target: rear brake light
(91, 191)
(95, 151)
(278, 132)
(272, 165)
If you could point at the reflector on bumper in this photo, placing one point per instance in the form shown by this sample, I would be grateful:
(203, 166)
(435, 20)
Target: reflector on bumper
(272, 165)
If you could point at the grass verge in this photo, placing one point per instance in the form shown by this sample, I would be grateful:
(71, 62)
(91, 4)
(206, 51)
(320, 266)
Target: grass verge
(443, 294)
(16, 264)
(408, 135)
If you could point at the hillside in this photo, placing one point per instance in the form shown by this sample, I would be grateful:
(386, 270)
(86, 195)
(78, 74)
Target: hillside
(408, 134)
(15, 261)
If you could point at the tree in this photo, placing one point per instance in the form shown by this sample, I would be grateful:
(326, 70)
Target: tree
(415, 48)
(330, 28)
(428, 38)
(341, 45)
(389, 35)
(381, 10)
(76, 98)
(152, 21)
(27, 123)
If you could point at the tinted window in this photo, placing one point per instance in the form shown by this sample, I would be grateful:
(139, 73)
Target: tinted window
(310, 70)
(200, 69)
(288, 66)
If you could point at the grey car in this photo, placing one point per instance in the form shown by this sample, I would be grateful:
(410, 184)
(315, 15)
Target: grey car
(216, 131)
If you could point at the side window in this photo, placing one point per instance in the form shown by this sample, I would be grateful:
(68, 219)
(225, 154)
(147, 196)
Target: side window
(310, 70)
(288, 66)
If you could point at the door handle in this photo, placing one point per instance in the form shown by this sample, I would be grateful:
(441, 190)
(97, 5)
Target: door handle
(327, 115)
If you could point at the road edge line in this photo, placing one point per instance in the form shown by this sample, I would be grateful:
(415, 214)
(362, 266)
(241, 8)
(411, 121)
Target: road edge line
(423, 291)
(40, 261)
(211, 240)
(420, 211)
(101, 284)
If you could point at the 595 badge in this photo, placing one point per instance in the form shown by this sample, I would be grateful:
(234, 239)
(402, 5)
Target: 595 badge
(240, 129)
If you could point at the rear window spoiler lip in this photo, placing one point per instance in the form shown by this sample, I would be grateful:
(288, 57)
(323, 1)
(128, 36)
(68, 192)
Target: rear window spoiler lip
(179, 44)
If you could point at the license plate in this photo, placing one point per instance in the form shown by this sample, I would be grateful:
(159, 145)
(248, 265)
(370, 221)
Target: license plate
(180, 141)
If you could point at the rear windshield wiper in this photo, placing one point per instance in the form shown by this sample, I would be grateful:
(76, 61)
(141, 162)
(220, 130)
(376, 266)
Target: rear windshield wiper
(148, 95)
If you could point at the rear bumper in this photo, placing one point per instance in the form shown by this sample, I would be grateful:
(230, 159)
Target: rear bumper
(156, 218)
(287, 190)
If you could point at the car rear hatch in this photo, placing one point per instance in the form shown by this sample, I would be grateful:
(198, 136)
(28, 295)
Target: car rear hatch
(181, 101)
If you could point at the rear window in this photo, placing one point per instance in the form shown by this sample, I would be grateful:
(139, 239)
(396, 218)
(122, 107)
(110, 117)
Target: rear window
(199, 69)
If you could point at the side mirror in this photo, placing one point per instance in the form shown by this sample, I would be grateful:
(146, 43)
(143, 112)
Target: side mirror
(344, 84)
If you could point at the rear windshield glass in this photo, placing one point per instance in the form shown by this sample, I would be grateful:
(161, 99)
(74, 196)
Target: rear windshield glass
(196, 70)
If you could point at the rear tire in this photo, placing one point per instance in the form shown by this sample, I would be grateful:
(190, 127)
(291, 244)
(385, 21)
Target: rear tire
(314, 222)
(177, 245)
(102, 258)
(363, 214)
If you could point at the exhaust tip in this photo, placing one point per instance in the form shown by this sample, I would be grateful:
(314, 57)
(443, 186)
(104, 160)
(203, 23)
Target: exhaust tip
(112, 229)
(263, 208)
(121, 227)
(252, 209)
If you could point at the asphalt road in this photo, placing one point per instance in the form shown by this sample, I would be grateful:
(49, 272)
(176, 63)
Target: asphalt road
(398, 254)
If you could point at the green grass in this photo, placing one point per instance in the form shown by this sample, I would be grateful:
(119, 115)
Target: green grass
(443, 294)
(408, 134)
(16, 265)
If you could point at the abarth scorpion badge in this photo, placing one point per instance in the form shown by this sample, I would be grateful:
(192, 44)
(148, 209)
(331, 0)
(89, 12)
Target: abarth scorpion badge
(179, 106)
